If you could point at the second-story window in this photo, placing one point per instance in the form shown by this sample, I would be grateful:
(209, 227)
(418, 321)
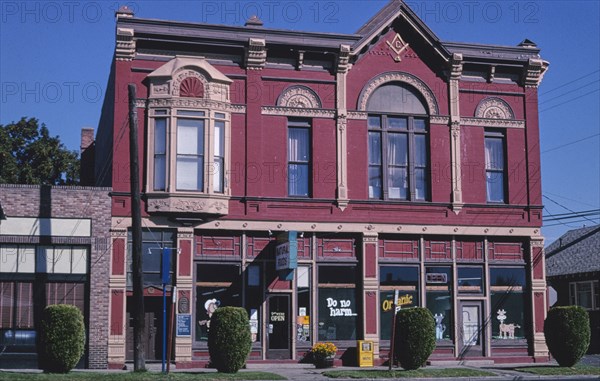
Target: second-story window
(182, 144)
(190, 150)
(160, 153)
(219, 153)
(494, 166)
(397, 157)
(299, 173)
(397, 144)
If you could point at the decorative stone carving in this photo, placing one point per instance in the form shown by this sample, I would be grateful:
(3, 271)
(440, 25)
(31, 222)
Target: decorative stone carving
(534, 72)
(357, 115)
(191, 88)
(494, 108)
(299, 96)
(343, 59)
(437, 119)
(299, 112)
(456, 66)
(493, 123)
(125, 45)
(182, 76)
(397, 45)
(192, 103)
(159, 89)
(256, 54)
(398, 76)
(174, 203)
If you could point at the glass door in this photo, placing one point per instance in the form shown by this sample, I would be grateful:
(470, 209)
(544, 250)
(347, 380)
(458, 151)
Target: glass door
(278, 327)
(471, 336)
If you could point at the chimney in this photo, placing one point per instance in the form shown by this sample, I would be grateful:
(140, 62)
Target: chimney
(124, 11)
(87, 148)
(254, 22)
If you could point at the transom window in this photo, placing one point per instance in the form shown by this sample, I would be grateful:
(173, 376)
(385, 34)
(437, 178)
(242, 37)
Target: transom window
(398, 156)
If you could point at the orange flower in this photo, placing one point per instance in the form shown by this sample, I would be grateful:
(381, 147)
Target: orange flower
(323, 350)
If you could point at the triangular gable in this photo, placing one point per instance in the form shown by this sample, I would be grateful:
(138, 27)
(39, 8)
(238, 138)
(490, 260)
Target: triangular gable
(376, 27)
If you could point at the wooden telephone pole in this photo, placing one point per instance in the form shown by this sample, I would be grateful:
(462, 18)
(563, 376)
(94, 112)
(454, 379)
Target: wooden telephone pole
(139, 324)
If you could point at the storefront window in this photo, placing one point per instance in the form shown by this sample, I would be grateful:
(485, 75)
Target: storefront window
(507, 286)
(217, 285)
(470, 280)
(405, 280)
(338, 309)
(304, 310)
(254, 299)
(438, 291)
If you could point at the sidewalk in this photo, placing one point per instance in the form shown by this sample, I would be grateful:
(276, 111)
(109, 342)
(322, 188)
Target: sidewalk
(504, 372)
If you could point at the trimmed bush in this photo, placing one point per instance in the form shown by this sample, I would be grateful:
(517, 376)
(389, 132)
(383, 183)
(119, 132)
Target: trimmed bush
(414, 340)
(567, 331)
(62, 338)
(229, 339)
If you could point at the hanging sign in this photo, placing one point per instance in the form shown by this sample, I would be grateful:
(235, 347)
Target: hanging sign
(286, 255)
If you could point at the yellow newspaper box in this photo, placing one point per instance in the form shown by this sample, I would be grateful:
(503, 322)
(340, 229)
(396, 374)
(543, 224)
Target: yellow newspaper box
(365, 353)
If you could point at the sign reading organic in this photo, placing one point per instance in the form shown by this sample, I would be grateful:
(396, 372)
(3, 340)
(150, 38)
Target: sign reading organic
(340, 307)
(404, 300)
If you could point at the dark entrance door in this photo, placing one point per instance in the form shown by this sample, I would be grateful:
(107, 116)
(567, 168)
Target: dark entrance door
(278, 327)
(153, 340)
(471, 330)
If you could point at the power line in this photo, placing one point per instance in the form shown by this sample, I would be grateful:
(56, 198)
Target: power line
(570, 91)
(570, 100)
(573, 216)
(571, 199)
(568, 83)
(564, 207)
(571, 143)
(559, 222)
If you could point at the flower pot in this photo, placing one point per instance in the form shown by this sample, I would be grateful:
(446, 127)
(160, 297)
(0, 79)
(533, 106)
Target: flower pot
(324, 362)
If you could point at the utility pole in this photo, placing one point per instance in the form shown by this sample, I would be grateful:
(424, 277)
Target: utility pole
(139, 324)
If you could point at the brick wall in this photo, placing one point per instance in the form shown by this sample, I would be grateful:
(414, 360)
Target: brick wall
(73, 202)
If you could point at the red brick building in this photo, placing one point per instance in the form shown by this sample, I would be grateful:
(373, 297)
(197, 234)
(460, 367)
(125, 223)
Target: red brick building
(309, 176)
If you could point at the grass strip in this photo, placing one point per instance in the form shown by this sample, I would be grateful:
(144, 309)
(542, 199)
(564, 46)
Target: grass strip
(579, 370)
(138, 376)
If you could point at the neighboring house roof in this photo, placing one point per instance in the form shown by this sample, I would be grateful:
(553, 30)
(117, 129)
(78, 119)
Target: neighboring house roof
(577, 251)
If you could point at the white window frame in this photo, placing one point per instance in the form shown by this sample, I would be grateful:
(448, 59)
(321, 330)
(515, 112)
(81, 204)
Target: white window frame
(210, 161)
(574, 294)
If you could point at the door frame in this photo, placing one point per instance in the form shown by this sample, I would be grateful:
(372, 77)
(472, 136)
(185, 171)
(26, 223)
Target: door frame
(285, 353)
(472, 350)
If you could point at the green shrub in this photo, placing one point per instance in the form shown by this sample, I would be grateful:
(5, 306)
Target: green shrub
(567, 331)
(229, 339)
(414, 340)
(62, 338)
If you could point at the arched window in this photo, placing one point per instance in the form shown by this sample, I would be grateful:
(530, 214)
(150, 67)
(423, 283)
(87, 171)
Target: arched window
(398, 155)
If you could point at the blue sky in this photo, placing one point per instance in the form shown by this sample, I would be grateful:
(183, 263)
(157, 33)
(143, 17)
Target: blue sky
(55, 58)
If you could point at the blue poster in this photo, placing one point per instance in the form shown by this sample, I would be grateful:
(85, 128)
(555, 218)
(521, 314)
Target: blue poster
(184, 325)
